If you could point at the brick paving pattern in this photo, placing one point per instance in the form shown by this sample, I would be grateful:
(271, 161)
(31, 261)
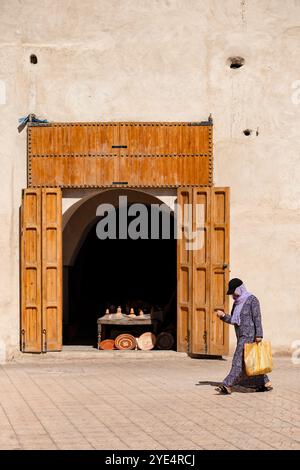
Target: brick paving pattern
(122, 402)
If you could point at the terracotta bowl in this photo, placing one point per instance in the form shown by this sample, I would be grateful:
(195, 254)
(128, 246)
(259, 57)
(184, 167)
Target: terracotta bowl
(107, 344)
(125, 341)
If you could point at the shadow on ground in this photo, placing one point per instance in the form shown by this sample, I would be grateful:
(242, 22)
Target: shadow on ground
(236, 388)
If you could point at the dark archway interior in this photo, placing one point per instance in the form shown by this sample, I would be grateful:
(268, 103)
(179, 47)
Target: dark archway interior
(116, 272)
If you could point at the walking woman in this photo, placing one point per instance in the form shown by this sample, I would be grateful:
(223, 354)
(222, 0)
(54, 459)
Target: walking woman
(246, 318)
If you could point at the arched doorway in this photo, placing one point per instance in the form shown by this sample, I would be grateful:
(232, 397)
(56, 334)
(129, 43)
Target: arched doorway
(104, 274)
(202, 264)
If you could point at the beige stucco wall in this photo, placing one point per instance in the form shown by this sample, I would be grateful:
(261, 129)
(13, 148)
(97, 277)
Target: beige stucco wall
(166, 60)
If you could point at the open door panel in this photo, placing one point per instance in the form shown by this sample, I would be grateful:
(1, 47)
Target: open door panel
(203, 271)
(41, 270)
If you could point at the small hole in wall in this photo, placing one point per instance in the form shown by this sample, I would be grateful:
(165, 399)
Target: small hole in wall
(33, 59)
(235, 62)
(247, 132)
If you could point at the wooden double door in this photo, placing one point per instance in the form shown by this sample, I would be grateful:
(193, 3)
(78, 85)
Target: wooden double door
(202, 270)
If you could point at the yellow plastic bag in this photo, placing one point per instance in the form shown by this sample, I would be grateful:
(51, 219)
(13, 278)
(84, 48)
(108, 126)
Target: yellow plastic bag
(258, 358)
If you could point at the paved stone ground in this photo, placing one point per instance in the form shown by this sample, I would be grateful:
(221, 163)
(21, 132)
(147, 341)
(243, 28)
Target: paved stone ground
(151, 402)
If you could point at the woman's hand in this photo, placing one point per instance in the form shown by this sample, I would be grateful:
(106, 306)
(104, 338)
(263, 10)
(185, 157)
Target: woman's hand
(258, 340)
(220, 313)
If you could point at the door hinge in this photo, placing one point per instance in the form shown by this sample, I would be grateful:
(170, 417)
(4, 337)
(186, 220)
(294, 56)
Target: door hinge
(22, 340)
(44, 340)
(205, 341)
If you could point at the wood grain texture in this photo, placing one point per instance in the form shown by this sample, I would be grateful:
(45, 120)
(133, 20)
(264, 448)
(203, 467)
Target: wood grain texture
(51, 269)
(219, 269)
(140, 154)
(201, 259)
(203, 272)
(31, 267)
(184, 274)
(41, 270)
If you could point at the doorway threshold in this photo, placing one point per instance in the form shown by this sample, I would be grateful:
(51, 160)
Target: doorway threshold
(74, 352)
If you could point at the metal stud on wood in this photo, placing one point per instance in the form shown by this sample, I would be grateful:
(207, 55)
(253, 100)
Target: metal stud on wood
(92, 155)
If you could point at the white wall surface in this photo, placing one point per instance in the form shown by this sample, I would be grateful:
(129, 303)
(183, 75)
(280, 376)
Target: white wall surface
(167, 60)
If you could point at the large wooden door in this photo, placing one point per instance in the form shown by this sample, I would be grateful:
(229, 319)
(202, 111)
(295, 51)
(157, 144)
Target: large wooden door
(31, 269)
(203, 270)
(201, 260)
(41, 270)
(51, 269)
(184, 270)
(219, 270)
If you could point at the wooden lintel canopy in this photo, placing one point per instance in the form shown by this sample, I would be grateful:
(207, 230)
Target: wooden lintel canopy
(126, 154)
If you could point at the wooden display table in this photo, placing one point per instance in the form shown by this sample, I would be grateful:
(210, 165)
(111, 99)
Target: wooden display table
(126, 320)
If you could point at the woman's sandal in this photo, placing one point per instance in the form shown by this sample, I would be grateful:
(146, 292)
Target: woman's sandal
(268, 386)
(265, 388)
(223, 390)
